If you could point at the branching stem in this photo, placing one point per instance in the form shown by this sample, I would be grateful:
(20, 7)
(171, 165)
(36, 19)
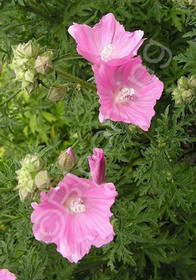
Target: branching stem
(76, 80)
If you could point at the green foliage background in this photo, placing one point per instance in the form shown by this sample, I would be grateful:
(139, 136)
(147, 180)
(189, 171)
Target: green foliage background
(154, 214)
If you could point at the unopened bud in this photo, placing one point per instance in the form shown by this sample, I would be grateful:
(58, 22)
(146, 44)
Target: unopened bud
(192, 81)
(43, 63)
(28, 50)
(97, 166)
(183, 83)
(30, 76)
(42, 180)
(177, 96)
(187, 95)
(31, 49)
(32, 162)
(57, 92)
(66, 160)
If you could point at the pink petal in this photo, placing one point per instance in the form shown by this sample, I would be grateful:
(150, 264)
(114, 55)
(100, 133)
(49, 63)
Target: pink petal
(106, 42)
(74, 230)
(146, 89)
(6, 275)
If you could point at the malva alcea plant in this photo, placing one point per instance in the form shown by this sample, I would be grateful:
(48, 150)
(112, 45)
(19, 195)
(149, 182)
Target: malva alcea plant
(85, 81)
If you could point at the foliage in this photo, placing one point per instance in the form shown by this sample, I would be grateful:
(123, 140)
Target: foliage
(154, 172)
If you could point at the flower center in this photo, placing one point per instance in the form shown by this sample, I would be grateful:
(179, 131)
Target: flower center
(75, 205)
(106, 53)
(125, 95)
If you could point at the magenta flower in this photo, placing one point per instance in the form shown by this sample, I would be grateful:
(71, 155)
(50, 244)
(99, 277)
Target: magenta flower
(127, 93)
(106, 42)
(97, 166)
(6, 275)
(74, 216)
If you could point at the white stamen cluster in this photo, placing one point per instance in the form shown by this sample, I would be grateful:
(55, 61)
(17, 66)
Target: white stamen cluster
(76, 205)
(106, 54)
(125, 95)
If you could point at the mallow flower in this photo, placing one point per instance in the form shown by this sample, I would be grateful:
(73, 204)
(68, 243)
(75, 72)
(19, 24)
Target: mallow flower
(75, 215)
(6, 275)
(106, 42)
(127, 93)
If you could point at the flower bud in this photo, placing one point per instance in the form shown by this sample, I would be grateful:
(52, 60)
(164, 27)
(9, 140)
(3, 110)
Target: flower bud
(18, 50)
(57, 92)
(42, 180)
(28, 50)
(31, 49)
(177, 96)
(43, 63)
(97, 166)
(187, 95)
(29, 76)
(183, 82)
(192, 81)
(32, 162)
(66, 160)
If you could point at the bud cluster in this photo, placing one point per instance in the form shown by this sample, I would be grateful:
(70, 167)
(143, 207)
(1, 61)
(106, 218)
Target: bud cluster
(32, 178)
(185, 91)
(31, 164)
(28, 62)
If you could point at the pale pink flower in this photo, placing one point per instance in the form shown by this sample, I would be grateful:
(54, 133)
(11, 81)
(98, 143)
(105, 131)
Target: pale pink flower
(127, 93)
(74, 216)
(106, 42)
(97, 166)
(6, 275)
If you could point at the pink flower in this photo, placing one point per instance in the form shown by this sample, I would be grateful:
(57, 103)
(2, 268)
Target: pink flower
(6, 275)
(106, 42)
(74, 216)
(127, 93)
(97, 166)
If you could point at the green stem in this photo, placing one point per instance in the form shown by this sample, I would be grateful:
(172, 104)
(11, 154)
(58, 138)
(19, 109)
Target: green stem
(76, 80)
(65, 57)
(10, 98)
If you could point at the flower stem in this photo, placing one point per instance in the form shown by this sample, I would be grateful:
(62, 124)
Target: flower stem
(76, 80)
(10, 98)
